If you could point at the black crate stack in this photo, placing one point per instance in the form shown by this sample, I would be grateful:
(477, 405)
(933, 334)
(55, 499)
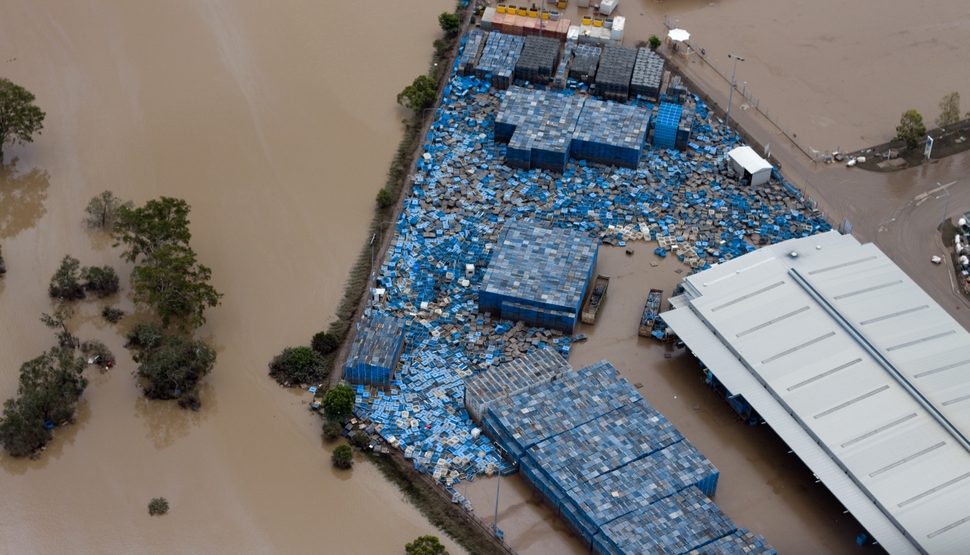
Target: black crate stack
(615, 72)
(538, 60)
(647, 74)
(559, 82)
(684, 129)
(585, 59)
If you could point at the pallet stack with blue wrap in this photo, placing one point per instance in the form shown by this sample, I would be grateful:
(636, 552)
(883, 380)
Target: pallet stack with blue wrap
(611, 134)
(666, 125)
(376, 349)
(512, 378)
(538, 276)
(497, 63)
(470, 52)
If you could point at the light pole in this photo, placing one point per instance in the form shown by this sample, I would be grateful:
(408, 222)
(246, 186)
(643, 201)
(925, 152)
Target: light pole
(946, 207)
(731, 95)
(498, 488)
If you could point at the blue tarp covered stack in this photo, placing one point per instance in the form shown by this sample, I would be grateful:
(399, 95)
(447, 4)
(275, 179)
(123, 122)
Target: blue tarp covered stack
(610, 465)
(375, 350)
(666, 125)
(611, 134)
(538, 275)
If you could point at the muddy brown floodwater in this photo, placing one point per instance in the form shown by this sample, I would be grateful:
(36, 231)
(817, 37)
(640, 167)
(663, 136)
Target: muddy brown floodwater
(276, 121)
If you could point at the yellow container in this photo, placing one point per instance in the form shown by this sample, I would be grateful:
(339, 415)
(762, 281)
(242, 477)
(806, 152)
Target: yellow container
(561, 5)
(545, 15)
(587, 20)
(500, 8)
(598, 22)
(522, 12)
(533, 13)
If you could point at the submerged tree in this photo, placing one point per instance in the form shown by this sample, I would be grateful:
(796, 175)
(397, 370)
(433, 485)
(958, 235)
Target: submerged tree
(65, 283)
(298, 365)
(3, 267)
(175, 285)
(103, 281)
(19, 118)
(170, 365)
(103, 208)
(339, 402)
(449, 23)
(50, 387)
(949, 110)
(425, 545)
(343, 457)
(144, 230)
(419, 95)
(58, 323)
(157, 506)
(911, 128)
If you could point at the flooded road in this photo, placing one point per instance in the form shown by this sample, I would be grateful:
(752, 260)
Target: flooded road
(277, 123)
(832, 73)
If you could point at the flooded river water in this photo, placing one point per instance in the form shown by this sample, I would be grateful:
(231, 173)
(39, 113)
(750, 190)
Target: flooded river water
(276, 122)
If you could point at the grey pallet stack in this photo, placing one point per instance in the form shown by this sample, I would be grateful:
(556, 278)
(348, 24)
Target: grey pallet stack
(675, 525)
(470, 52)
(647, 74)
(562, 72)
(676, 91)
(376, 350)
(586, 58)
(498, 58)
(537, 60)
(641, 483)
(524, 420)
(520, 375)
(538, 276)
(741, 542)
(611, 134)
(615, 72)
(538, 127)
(615, 439)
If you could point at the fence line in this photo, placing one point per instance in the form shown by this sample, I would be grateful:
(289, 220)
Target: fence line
(747, 95)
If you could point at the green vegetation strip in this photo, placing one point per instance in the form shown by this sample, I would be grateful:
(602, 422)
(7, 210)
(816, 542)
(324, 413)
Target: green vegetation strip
(447, 516)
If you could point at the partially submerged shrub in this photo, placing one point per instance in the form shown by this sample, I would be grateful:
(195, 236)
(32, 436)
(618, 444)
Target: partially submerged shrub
(331, 429)
(343, 457)
(158, 506)
(170, 365)
(98, 353)
(296, 365)
(324, 343)
(103, 281)
(65, 283)
(112, 315)
(339, 402)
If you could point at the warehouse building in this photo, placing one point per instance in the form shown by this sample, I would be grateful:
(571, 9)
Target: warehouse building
(857, 369)
(538, 276)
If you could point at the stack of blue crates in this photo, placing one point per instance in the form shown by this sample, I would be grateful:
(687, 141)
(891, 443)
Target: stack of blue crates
(666, 125)
(740, 542)
(610, 133)
(470, 51)
(538, 126)
(674, 525)
(499, 57)
(376, 349)
(620, 475)
(522, 374)
(538, 275)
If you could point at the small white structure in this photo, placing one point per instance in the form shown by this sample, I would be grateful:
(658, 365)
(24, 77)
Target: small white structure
(751, 166)
(607, 6)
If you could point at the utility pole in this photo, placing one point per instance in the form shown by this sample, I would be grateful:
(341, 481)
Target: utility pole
(731, 94)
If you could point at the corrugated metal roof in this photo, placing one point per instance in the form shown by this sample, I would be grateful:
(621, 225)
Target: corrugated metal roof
(872, 371)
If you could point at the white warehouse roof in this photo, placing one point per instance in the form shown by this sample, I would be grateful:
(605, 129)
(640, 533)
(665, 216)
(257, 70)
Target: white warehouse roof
(863, 375)
(749, 159)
